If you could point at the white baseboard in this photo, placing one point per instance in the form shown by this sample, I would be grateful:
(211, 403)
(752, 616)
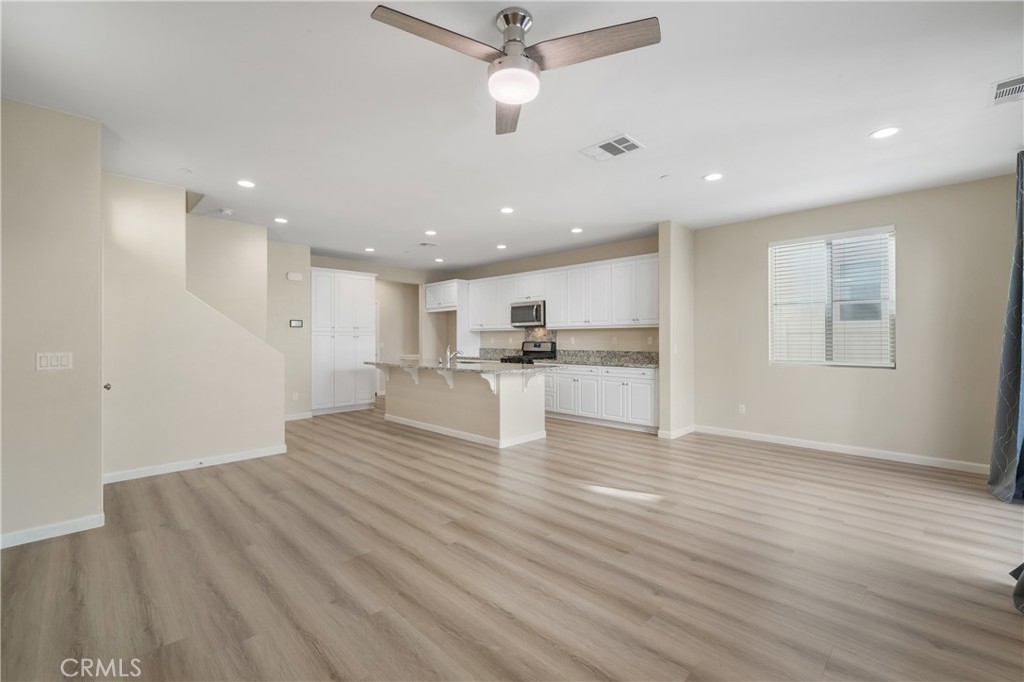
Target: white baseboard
(184, 465)
(20, 537)
(465, 435)
(625, 426)
(857, 451)
(298, 415)
(675, 433)
(347, 408)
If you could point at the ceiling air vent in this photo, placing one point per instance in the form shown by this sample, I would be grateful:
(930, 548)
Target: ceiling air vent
(617, 146)
(428, 244)
(1011, 90)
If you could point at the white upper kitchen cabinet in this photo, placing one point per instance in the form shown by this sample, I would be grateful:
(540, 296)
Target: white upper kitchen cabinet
(323, 300)
(647, 310)
(490, 303)
(634, 292)
(589, 288)
(556, 298)
(444, 296)
(528, 287)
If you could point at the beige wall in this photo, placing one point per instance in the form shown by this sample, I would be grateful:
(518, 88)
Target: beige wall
(188, 382)
(676, 272)
(225, 266)
(632, 247)
(399, 320)
(953, 249)
(390, 273)
(51, 467)
(291, 300)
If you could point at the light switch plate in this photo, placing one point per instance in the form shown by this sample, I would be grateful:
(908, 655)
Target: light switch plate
(54, 360)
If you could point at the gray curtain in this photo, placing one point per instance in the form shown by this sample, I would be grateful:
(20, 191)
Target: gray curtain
(1006, 473)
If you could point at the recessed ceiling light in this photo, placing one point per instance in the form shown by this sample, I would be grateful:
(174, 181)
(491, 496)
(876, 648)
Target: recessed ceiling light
(248, 184)
(283, 221)
(576, 230)
(711, 177)
(430, 233)
(883, 133)
(369, 249)
(502, 246)
(507, 209)
(439, 260)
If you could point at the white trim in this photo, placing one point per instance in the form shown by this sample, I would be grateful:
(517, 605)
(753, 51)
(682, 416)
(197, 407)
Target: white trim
(347, 408)
(20, 537)
(298, 415)
(855, 450)
(676, 433)
(465, 435)
(866, 232)
(184, 465)
(596, 421)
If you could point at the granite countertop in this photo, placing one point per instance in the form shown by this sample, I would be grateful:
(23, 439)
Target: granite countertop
(593, 363)
(481, 367)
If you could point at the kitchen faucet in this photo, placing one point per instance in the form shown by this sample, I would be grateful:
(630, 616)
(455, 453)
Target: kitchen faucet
(449, 354)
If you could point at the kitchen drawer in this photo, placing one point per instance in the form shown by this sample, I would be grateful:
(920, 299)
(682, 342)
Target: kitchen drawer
(582, 369)
(629, 372)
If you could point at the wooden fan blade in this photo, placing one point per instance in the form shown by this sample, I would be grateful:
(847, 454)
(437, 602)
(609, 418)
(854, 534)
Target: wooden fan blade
(436, 34)
(507, 117)
(601, 42)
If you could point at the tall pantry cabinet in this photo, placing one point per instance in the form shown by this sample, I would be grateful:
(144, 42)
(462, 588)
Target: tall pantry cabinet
(344, 339)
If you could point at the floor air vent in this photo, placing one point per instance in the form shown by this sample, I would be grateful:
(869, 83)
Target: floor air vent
(1011, 90)
(617, 146)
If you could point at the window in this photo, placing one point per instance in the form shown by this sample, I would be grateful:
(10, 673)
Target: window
(832, 299)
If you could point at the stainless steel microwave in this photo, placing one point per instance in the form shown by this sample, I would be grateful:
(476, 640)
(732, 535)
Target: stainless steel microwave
(528, 314)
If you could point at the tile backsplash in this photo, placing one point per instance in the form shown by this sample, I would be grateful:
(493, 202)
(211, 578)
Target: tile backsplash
(586, 357)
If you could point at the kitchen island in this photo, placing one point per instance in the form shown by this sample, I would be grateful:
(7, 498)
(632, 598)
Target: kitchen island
(484, 402)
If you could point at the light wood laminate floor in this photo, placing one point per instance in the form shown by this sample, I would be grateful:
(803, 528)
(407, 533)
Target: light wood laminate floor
(374, 551)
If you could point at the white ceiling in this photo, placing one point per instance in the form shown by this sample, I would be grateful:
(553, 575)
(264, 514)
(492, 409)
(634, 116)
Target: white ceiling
(363, 135)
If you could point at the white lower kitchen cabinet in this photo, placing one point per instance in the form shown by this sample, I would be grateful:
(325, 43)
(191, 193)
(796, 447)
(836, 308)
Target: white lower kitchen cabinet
(341, 379)
(578, 392)
(627, 395)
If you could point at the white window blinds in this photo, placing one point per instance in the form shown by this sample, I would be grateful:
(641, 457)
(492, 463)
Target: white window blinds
(832, 300)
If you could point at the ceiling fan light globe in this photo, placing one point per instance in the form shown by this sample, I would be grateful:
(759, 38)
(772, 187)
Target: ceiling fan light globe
(513, 80)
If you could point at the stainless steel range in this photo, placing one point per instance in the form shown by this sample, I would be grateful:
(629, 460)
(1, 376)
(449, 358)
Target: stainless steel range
(533, 350)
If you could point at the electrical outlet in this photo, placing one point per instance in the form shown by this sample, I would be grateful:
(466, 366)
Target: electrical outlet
(615, 340)
(295, 396)
(492, 340)
(511, 339)
(650, 340)
(572, 340)
(743, 409)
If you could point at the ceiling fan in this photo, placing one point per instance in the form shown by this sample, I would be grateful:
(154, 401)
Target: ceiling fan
(514, 69)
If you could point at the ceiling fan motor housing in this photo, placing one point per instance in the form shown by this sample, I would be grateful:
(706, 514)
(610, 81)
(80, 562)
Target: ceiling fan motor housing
(514, 22)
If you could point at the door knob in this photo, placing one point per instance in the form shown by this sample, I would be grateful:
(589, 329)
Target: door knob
(106, 386)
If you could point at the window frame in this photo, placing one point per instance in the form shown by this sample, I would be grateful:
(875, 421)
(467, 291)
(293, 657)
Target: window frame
(829, 300)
